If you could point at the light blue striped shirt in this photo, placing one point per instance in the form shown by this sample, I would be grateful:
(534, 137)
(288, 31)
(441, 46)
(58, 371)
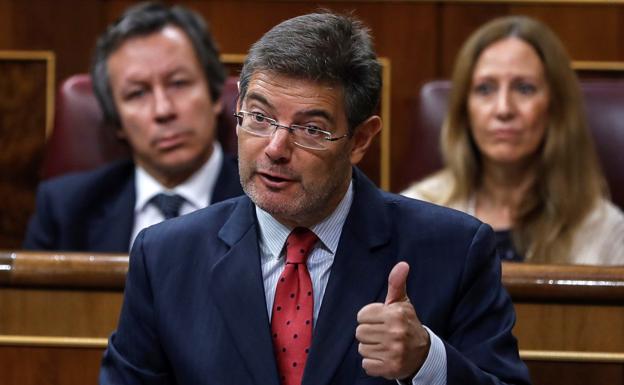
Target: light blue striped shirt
(272, 238)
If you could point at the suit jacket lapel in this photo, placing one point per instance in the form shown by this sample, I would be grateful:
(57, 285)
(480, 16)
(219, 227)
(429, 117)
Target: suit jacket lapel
(228, 183)
(111, 227)
(358, 277)
(236, 282)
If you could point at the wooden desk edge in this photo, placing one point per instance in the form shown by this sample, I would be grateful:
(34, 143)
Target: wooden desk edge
(525, 282)
(101, 343)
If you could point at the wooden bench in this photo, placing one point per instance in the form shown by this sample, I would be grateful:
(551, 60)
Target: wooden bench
(57, 310)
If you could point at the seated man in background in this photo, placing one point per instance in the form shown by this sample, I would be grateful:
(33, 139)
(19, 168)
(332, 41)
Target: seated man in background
(158, 79)
(518, 152)
(315, 276)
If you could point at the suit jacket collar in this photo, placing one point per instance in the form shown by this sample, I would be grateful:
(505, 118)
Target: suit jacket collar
(228, 183)
(357, 278)
(112, 221)
(237, 274)
(216, 175)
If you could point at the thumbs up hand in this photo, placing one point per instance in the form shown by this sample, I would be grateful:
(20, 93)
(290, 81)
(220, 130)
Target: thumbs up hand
(393, 342)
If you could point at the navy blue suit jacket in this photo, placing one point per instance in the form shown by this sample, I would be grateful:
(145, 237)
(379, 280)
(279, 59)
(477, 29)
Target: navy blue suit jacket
(94, 210)
(194, 310)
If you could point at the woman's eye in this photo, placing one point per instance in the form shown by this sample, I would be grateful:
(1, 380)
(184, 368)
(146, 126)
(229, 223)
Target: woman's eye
(526, 88)
(484, 89)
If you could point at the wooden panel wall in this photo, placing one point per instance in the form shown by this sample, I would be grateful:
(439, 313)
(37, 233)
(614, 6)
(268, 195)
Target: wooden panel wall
(420, 38)
(23, 83)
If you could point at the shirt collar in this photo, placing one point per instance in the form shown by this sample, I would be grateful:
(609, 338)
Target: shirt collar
(273, 234)
(197, 190)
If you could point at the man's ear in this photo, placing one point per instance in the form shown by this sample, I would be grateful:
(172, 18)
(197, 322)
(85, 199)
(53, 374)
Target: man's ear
(120, 134)
(217, 107)
(363, 137)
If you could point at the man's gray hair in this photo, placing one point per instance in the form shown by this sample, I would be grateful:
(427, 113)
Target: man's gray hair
(325, 48)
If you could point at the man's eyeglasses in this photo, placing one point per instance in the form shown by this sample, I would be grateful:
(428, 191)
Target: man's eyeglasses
(309, 137)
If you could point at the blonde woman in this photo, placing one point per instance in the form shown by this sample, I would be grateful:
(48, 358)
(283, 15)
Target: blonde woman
(518, 153)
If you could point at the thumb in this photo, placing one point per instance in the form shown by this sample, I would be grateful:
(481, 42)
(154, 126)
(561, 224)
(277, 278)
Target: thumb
(397, 282)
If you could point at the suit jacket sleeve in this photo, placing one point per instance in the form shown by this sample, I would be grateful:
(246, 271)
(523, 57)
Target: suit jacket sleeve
(480, 347)
(134, 355)
(41, 231)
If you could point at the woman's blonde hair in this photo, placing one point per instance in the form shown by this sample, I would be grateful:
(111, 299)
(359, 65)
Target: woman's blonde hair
(568, 179)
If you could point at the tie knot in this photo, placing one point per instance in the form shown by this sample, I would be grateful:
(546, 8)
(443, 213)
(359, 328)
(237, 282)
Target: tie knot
(298, 245)
(169, 205)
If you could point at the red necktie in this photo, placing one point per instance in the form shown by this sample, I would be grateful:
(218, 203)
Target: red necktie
(293, 309)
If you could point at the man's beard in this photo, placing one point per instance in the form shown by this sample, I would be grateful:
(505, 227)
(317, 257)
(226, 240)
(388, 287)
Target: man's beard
(309, 203)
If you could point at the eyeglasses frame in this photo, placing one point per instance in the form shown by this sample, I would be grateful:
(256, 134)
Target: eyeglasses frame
(274, 123)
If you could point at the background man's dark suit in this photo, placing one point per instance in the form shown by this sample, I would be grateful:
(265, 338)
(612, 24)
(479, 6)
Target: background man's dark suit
(195, 310)
(94, 211)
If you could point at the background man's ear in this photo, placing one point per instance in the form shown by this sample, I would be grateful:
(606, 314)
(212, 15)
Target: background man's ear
(217, 106)
(120, 133)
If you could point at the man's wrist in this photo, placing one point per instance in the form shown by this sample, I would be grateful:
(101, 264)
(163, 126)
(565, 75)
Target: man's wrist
(433, 369)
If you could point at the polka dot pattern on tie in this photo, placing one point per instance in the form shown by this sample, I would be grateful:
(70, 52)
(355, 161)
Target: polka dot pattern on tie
(293, 308)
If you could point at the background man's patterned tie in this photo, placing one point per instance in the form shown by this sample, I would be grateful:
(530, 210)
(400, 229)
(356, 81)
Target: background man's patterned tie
(293, 307)
(169, 205)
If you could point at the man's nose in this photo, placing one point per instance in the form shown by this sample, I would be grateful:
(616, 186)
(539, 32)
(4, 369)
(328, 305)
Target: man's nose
(280, 146)
(164, 108)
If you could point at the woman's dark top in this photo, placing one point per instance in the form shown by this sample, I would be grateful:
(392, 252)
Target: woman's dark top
(505, 246)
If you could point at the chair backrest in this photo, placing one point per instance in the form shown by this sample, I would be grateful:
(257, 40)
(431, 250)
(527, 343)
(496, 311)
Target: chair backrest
(81, 141)
(604, 103)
